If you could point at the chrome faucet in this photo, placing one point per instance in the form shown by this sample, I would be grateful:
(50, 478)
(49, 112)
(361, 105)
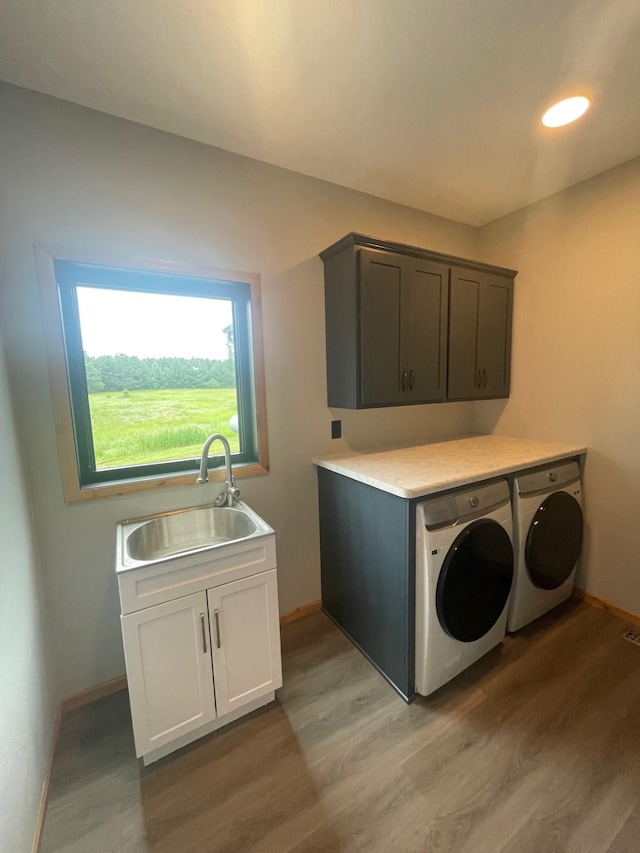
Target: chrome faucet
(231, 494)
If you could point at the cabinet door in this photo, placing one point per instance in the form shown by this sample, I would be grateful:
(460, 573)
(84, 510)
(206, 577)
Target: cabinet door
(245, 634)
(168, 656)
(480, 308)
(425, 321)
(382, 353)
(494, 335)
(464, 301)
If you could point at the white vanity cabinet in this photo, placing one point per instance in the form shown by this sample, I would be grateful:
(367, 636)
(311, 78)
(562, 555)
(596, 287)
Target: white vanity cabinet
(206, 649)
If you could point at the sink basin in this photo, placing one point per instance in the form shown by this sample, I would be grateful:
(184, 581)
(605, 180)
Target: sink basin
(174, 534)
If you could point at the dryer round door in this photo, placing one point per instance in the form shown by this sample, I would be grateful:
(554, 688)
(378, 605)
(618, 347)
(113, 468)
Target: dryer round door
(475, 580)
(554, 540)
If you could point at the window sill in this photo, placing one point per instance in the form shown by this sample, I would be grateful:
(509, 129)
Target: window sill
(123, 488)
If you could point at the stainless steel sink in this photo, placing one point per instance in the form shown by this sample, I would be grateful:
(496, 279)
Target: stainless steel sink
(173, 534)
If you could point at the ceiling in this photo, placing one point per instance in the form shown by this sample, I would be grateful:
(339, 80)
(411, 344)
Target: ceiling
(431, 103)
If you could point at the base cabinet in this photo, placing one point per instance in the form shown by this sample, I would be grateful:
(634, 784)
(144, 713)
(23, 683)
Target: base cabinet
(368, 574)
(201, 660)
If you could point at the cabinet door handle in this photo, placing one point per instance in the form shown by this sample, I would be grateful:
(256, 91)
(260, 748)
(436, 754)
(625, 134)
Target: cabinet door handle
(412, 380)
(484, 378)
(216, 617)
(204, 633)
(403, 380)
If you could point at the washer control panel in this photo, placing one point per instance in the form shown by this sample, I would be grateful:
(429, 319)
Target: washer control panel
(441, 512)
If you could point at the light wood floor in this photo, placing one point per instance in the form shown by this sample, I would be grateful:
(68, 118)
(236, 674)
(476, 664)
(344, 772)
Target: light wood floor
(535, 749)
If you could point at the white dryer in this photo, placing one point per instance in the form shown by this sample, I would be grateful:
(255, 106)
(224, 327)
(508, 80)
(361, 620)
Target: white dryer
(548, 530)
(464, 572)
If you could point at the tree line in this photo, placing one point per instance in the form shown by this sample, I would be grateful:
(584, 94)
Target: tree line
(130, 373)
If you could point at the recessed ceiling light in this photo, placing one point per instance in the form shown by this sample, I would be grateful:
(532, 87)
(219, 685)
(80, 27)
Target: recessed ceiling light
(565, 111)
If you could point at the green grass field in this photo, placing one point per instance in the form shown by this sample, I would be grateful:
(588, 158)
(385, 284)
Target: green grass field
(134, 427)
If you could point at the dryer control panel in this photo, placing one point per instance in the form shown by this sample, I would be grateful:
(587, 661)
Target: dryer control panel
(558, 477)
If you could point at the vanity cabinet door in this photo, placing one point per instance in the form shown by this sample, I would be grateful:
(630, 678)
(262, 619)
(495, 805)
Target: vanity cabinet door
(168, 655)
(245, 637)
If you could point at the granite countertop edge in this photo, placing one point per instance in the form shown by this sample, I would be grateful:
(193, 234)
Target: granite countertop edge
(524, 454)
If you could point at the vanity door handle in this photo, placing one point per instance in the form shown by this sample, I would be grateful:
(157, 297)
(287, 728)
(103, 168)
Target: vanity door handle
(412, 380)
(403, 380)
(484, 378)
(204, 633)
(216, 617)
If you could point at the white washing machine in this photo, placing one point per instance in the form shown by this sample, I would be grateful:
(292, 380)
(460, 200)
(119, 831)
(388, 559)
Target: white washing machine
(548, 530)
(464, 572)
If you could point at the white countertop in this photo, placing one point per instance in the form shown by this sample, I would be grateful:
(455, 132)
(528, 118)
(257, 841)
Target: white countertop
(412, 472)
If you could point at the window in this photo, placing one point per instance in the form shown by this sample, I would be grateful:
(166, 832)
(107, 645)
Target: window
(154, 362)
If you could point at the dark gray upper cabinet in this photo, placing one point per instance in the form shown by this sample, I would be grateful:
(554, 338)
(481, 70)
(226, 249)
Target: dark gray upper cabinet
(479, 358)
(406, 325)
(403, 315)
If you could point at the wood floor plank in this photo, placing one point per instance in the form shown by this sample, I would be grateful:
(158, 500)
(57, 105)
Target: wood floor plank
(534, 748)
(526, 724)
(387, 814)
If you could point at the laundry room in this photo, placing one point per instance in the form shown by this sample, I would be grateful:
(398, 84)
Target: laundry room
(149, 144)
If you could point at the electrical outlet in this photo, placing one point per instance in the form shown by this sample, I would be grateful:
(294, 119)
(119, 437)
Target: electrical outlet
(336, 429)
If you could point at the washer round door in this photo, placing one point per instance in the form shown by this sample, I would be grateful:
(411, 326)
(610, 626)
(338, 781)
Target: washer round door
(554, 540)
(475, 581)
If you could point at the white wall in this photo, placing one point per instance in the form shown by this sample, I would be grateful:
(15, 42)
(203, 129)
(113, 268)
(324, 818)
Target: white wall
(576, 356)
(74, 179)
(26, 696)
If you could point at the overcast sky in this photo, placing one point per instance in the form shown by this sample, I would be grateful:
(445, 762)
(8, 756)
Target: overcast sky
(152, 325)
